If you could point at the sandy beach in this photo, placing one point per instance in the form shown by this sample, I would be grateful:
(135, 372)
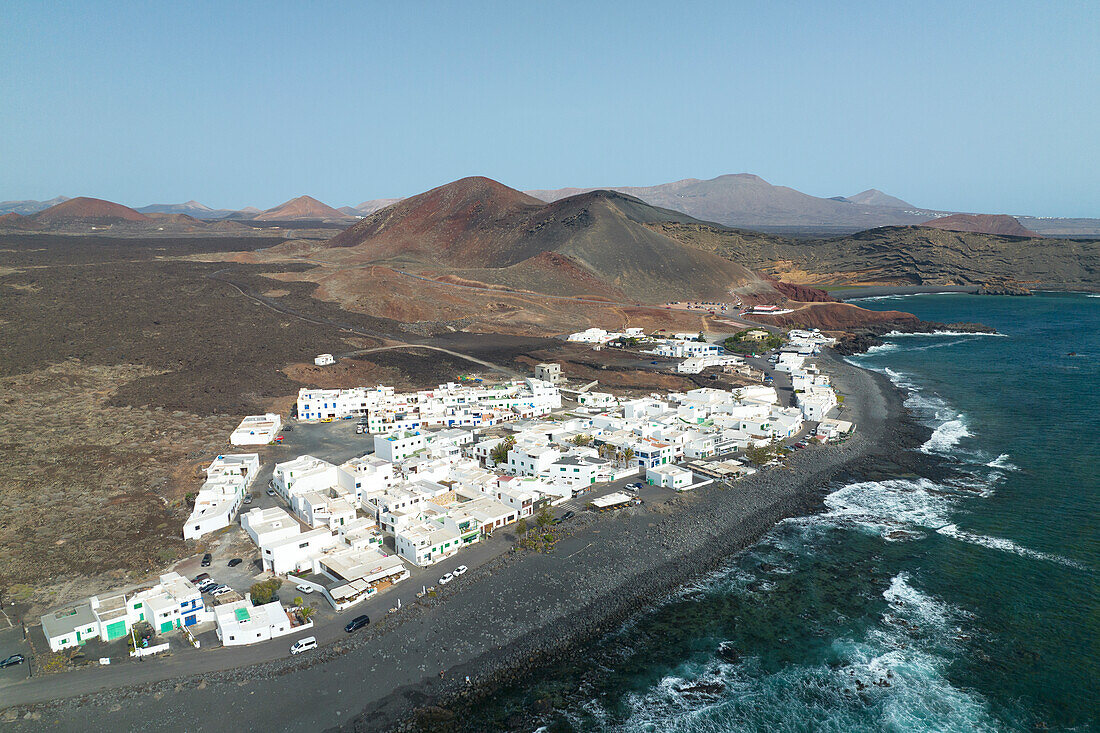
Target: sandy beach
(513, 615)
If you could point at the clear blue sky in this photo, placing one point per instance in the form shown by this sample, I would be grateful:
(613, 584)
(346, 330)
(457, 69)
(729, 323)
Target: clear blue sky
(987, 106)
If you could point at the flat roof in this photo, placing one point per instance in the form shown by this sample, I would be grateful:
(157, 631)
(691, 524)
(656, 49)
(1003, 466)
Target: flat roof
(612, 499)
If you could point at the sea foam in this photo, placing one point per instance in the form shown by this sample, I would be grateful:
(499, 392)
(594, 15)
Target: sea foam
(999, 543)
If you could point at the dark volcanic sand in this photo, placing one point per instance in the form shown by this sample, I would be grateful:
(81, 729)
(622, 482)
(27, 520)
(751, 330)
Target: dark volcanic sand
(513, 614)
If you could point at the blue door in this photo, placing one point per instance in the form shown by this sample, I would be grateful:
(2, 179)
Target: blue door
(189, 620)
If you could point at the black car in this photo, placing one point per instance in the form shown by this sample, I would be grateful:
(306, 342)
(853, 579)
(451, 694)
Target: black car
(206, 560)
(287, 429)
(568, 515)
(235, 562)
(11, 661)
(357, 623)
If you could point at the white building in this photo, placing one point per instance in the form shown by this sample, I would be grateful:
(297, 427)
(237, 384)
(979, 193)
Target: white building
(399, 446)
(221, 495)
(240, 622)
(265, 526)
(324, 360)
(669, 476)
(257, 430)
(172, 603)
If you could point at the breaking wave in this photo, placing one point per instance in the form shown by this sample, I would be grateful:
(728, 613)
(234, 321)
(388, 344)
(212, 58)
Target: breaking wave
(947, 436)
(1003, 463)
(998, 543)
(899, 334)
(892, 676)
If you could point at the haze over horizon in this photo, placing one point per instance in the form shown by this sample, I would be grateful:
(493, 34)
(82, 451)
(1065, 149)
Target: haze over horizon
(945, 107)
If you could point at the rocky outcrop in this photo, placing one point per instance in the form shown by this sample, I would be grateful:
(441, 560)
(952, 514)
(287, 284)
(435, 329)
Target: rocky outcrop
(860, 340)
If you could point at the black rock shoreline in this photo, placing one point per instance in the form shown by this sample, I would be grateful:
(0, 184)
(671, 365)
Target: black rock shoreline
(860, 339)
(885, 444)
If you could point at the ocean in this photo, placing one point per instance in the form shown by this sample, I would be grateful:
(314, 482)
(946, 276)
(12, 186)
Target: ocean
(911, 603)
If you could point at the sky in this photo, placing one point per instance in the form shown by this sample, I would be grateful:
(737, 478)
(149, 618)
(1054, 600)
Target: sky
(990, 107)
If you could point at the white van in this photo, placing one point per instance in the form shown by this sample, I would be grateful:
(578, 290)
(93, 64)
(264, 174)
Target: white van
(304, 644)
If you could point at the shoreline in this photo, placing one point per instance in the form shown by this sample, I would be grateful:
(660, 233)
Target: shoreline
(899, 433)
(521, 610)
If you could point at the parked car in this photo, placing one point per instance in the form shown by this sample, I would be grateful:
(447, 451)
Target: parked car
(568, 515)
(11, 661)
(359, 429)
(221, 590)
(303, 645)
(288, 429)
(207, 585)
(446, 579)
(634, 486)
(248, 498)
(235, 562)
(460, 570)
(200, 577)
(301, 588)
(271, 492)
(357, 623)
(206, 560)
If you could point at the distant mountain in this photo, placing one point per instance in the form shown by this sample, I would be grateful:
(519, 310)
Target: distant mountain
(369, 207)
(874, 197)
(1001, 224)
(748, 200)
(88, 209)
(598, 242)
(190, 208)
(29, 207)
(303, 207)
(11, 220)
(350, 211)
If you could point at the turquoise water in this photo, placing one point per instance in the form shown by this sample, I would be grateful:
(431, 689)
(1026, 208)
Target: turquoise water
(910, 604)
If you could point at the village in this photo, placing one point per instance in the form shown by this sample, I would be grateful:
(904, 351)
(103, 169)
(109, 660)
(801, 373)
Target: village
(427, 478)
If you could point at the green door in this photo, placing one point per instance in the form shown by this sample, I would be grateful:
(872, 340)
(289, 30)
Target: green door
(166, 627)
(116, 630)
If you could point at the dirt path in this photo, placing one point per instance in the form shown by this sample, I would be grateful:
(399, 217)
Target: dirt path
(286, 310)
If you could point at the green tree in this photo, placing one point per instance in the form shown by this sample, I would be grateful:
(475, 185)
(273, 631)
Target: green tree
(264, 591)
(702, 337)
(581, 440)
(544, 517)
(521, 528)
(628, 456)
(305, 612)
(499, 452)
(298, 601)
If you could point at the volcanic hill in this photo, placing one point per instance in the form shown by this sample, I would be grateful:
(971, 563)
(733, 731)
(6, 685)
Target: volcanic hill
(1001, 224)
(303, 207)
(478, 229)
(88, 209)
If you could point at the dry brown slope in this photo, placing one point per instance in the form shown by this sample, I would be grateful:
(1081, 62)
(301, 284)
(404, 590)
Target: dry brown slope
(86, 208)
(482, 230)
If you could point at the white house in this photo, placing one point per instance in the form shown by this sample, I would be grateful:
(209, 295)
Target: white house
(531, 459)
(257, 430)
(170, 604)
(669, 476)
(240, 622)
(296, 552)
(265, 526)
(399, 446)
(324, 360)
(221, 495)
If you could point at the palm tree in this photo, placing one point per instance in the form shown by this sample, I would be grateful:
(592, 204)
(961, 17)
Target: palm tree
(628, 456)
